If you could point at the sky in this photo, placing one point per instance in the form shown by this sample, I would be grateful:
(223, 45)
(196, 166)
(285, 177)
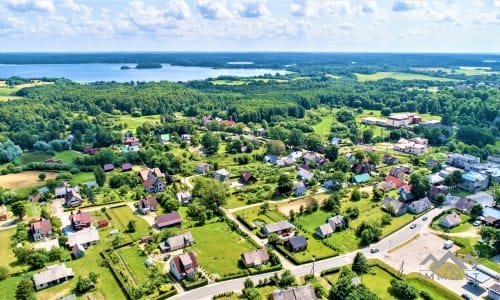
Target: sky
(250, 25)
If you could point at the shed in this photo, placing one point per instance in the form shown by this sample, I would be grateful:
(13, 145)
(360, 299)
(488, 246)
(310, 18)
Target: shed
(362, 178)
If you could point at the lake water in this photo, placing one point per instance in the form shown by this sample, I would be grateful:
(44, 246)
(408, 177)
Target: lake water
(111, 72)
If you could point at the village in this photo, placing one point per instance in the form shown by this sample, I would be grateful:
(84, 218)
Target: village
(253, 205)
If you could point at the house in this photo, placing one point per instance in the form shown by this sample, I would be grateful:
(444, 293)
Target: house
(305, 175)
(80, 220)
(184, 197)
(186, 137)
(324, 231)
(102, 223)
(311, 157)
(247, 178)
(462, 161)
(411, 146)
(395, 180)
(305, 292)
(229, 123)
(60, 191)
(299, 189)
(126, 149)
(445, 172)
(464, 205)
(126, 167)
(393, 206)
(164, 138)
(435, 179)
(85, 237)
(390, 160)
(494, 292)
(78, 251)
(329, 185)
(90, 184)
(336, 222)
(438, 189)
(491, 216)
(202, 168)
(483, 198)
(270, 158)
(288, 161)
(47, 244)
(152, 180)
(53, 161)
(361, 168)
(147, 205)
(73, 198)
(280, 228)
(52, 275)
(90, 151)
(336, 140)
(474, 182)
(4, 213)
(168, 220)
(419, 206)
(177, 242)
(108, 167)
(41, 229)
(401, 120)
(450, 220)
(296, 243)
(489, 169)
(222, 175)
(405, 193)
(184, 265)
(362, 178)
(131, 141)
(385, 186)
(400, 171)
(255, 258)
(432, 163)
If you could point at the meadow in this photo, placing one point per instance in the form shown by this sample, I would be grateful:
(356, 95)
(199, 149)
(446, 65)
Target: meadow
(398, 76)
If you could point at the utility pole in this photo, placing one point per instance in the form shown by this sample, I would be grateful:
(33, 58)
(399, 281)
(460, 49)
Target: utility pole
(313, 260)
(402, 267)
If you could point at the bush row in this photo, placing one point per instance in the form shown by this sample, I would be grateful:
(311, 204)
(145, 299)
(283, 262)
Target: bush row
(192, 285)
(247, 272)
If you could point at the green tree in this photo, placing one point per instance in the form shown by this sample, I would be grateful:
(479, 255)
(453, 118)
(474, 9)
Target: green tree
(367, 136)
(420, 184)
(295, 138)
(403, 290)
(313, 142)
(476, 211)
(210, 143)
(37, 259)
(361, 292)
(131, 226)
(355, 195)
(273, 238)
(487, 233)
(378, 194)
(386, 219)
(342, 164)
(248, 283)
(440, 198)
(45, 214)
(4, 273)
(42, 176)
(285, 185)
(287, 279)
(360, 264)
(18, 209)
(275, 147)
(264, 207)
(212, 195)
(100, 176)
(83, 284)
(332, 152)
(25, 290)
(343, 287)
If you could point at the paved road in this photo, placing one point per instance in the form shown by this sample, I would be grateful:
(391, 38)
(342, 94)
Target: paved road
(388, 242)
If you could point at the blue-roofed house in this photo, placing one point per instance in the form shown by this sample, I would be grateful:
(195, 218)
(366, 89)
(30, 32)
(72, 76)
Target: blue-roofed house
(474, 182)
(362, 178)
(336, 141)
(297, 243)
(299, 189)
(305, 175)
(43, 190)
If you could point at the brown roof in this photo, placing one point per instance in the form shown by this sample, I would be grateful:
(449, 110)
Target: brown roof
(102, 223)
(186, 256)
(169, 219)
(397, 182)
(146, 172)
(43, 225)
(149, 202)
(256, 257)
(82, 216)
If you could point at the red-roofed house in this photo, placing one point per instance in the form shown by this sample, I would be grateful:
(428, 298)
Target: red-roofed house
(397, 181)
(131, 141)
(229, 123)
(41, 229)
(151, 180)
(168, 220)
(184, 265)
(80, 220)
(147, 205)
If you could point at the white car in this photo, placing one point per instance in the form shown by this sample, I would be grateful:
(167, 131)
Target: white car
(477, 223)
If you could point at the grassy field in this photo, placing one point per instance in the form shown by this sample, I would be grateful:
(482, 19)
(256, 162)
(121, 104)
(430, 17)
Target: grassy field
(468, 72)
(67, 156)
(136, 263)
(323, 127)
(218, 249)
(8, 92)
(8, 258)
(82, 177)
(133, 122)
(122, 215)
(25, 179)
(398, 76)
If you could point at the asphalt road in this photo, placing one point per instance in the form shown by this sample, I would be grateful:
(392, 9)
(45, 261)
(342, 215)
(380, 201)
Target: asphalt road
(385, 244)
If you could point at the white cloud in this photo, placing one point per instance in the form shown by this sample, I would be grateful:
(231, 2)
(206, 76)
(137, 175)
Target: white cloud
(31, 5)
(252, 8)
(78, 8)
(406, 5)
(304, 8)
(313, 8)
(369, 7)
(177, 9)
(213, 9)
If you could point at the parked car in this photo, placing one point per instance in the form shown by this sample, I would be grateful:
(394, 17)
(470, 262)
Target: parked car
(424, 219)
(166, 257)
(413, 226)
(466, 297)
(374, 250)
(477, 223)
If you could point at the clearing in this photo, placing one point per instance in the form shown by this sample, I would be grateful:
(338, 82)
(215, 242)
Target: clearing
(398, 76)
(21, 180)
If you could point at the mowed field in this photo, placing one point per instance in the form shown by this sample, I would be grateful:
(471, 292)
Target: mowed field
(7, 92)
(24, 179)
(398, 76)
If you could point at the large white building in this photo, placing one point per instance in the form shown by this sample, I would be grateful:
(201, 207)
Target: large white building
(411, 146)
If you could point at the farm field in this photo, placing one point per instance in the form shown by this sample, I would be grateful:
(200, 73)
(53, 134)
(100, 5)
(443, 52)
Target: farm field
(133, 122)
(7, 92)
(16, 181)
(218, 249)
(398, 76)
(120, 218)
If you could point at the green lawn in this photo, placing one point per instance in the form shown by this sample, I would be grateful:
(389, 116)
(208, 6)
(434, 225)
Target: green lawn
(228, 82)
(8, 258)
(398, 76)
(121, 217)
(323, 127)
(82, 177)
(313, 220)
(67, 156)
(218, 249)
(466, 225)
(136, 263)
(378, 281)
(253, 214)
(133, 122)
(434, 289)
(29, 157)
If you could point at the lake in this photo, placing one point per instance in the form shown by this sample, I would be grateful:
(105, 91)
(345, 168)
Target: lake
(111, 72)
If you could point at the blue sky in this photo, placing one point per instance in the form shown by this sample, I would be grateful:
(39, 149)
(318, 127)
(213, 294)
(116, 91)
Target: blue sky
(251, 25)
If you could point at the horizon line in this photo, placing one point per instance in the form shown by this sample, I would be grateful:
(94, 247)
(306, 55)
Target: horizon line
(239, 52)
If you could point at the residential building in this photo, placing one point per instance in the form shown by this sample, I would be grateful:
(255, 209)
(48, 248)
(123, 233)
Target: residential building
(184, 197)
(164, 138)
(305, 175)
(299, 189)
(336, 140)
(296, 243)
(168, 220)
(450, 221)
(494, 292)
(80, 220)
(221, 175)
(152, 180)
(78, 251)
(483, 198)
(489, 169)
(184, 265)
(147, 205)
(395, 180)
(324, 231)
(411, 146)
(464, 205)
(394, 206)
(131, 141)
(52, 275)
(41, 229)
(420, 205)
(73, 198)
(247, 178)
(270, 158)
(362, 167)
(177, 242)
(108, 167)
(85, 237)
(474, 182)
(400, 171)
(280, 228)
(127, 167)
(439, 189)
(435, 179)
(311, 157)
(491, 216)
(305, 292)
(405, 193)
(390, 160)
(362, 178)
(202, 168)
(432, 163)
(102, 223)
(336, 222)
(462, 161)
(255, 258)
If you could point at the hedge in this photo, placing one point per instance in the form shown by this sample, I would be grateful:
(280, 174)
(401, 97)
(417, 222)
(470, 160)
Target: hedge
(97, 205)
(166, 295)
(329, 271)
(248, 272)
(244, 222)
(189, 286)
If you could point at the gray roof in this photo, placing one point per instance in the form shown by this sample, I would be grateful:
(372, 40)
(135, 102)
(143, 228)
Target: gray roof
(325, 229)
(393, 202)
(305, 292)
(305, 174)
(297, 241)
(84, 236)
(278, 226)
(52, 273)
(179, 241)
(483, 198)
